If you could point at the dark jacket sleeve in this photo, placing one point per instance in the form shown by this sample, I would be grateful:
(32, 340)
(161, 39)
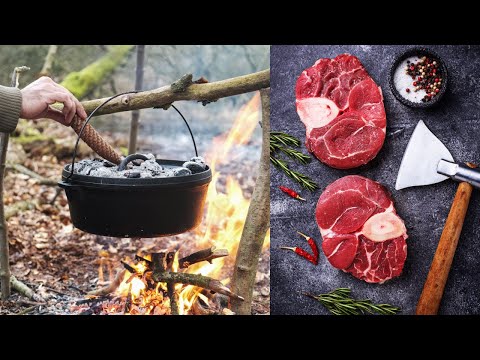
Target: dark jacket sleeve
(10, 107)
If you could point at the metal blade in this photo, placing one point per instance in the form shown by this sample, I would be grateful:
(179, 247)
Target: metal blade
(419, 163)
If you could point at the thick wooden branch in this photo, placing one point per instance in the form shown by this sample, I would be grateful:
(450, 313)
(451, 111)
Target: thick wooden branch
(256, 223)
(23, 289)
(202, 255)
(24, 170)
(205, 92)
(14, 209)
(197, 280)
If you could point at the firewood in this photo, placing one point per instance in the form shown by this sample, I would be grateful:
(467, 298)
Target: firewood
(23, 289)
(172, 294)
(202, 255)
(196, 280)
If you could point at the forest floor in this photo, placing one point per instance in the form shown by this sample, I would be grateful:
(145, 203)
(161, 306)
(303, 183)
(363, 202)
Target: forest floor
(61, 263)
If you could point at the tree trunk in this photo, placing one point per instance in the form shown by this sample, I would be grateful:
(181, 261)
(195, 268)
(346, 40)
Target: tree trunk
(256, 223)
(47, 65)
(132, 145)
(81, 83)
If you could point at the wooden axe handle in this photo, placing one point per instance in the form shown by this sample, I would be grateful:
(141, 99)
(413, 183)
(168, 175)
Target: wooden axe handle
(442, 261)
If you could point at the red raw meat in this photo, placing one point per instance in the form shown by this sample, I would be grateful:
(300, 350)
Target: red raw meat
(362, 233)
(342, 109)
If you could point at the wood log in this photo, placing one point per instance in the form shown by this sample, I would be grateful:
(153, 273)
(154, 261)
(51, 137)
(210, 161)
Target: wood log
(24, 170)
(172, 294)
(204, 92)
(196, 280)
(202, 255)
(256, 223)
(23, 289)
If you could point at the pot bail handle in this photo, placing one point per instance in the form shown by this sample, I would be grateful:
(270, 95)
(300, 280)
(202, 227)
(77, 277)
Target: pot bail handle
(123, 165)
(80, 133)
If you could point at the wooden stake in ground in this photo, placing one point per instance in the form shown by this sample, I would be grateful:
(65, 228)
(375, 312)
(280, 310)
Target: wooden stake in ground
(132, 145)
(256, 223)
(4, 258)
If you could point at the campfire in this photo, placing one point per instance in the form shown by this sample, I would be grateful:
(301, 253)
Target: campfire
(164, 283)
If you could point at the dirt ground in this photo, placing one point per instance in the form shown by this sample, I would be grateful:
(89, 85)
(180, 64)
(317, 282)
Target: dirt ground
(60, 262)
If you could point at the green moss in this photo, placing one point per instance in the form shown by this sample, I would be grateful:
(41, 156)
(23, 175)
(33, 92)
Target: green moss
(28, 139)
(124, 150)
(82, 82)
(27, 134)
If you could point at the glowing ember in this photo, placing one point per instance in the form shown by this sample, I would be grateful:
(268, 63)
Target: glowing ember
(222, 227)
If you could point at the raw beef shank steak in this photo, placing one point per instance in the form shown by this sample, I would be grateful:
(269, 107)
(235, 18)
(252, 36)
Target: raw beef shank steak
(342, 109)
(362, 233)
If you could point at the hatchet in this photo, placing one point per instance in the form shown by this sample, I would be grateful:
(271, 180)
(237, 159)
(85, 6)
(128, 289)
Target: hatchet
(427, 161)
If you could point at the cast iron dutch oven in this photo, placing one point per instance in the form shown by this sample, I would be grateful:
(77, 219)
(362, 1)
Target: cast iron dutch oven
(136, 207)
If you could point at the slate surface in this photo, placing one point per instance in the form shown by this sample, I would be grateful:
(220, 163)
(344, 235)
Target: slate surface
(456, 122)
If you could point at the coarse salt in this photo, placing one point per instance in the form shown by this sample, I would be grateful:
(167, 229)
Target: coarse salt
(403, 81)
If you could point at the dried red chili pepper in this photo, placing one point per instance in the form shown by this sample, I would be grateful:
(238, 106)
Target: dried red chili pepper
(302, 253)
(291, 193)
(313, 245)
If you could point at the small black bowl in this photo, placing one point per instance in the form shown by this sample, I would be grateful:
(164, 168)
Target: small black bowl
(418, 52)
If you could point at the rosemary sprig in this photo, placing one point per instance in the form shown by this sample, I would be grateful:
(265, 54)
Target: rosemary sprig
(282, 138)
(339, 302)
(291, 153)
(302, 179)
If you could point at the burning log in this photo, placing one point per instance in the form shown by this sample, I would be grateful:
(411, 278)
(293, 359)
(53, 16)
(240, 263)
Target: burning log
(196, 280)
(128, 301)
(128, 267)
(198, 308)
(162, 262)
(172, 294)
(140, 258)
(202, 255)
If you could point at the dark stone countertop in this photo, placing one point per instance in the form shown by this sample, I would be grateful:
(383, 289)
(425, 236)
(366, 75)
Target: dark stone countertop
(456, 122)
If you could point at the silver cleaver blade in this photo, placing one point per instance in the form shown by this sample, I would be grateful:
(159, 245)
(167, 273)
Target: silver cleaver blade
(419, 163)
